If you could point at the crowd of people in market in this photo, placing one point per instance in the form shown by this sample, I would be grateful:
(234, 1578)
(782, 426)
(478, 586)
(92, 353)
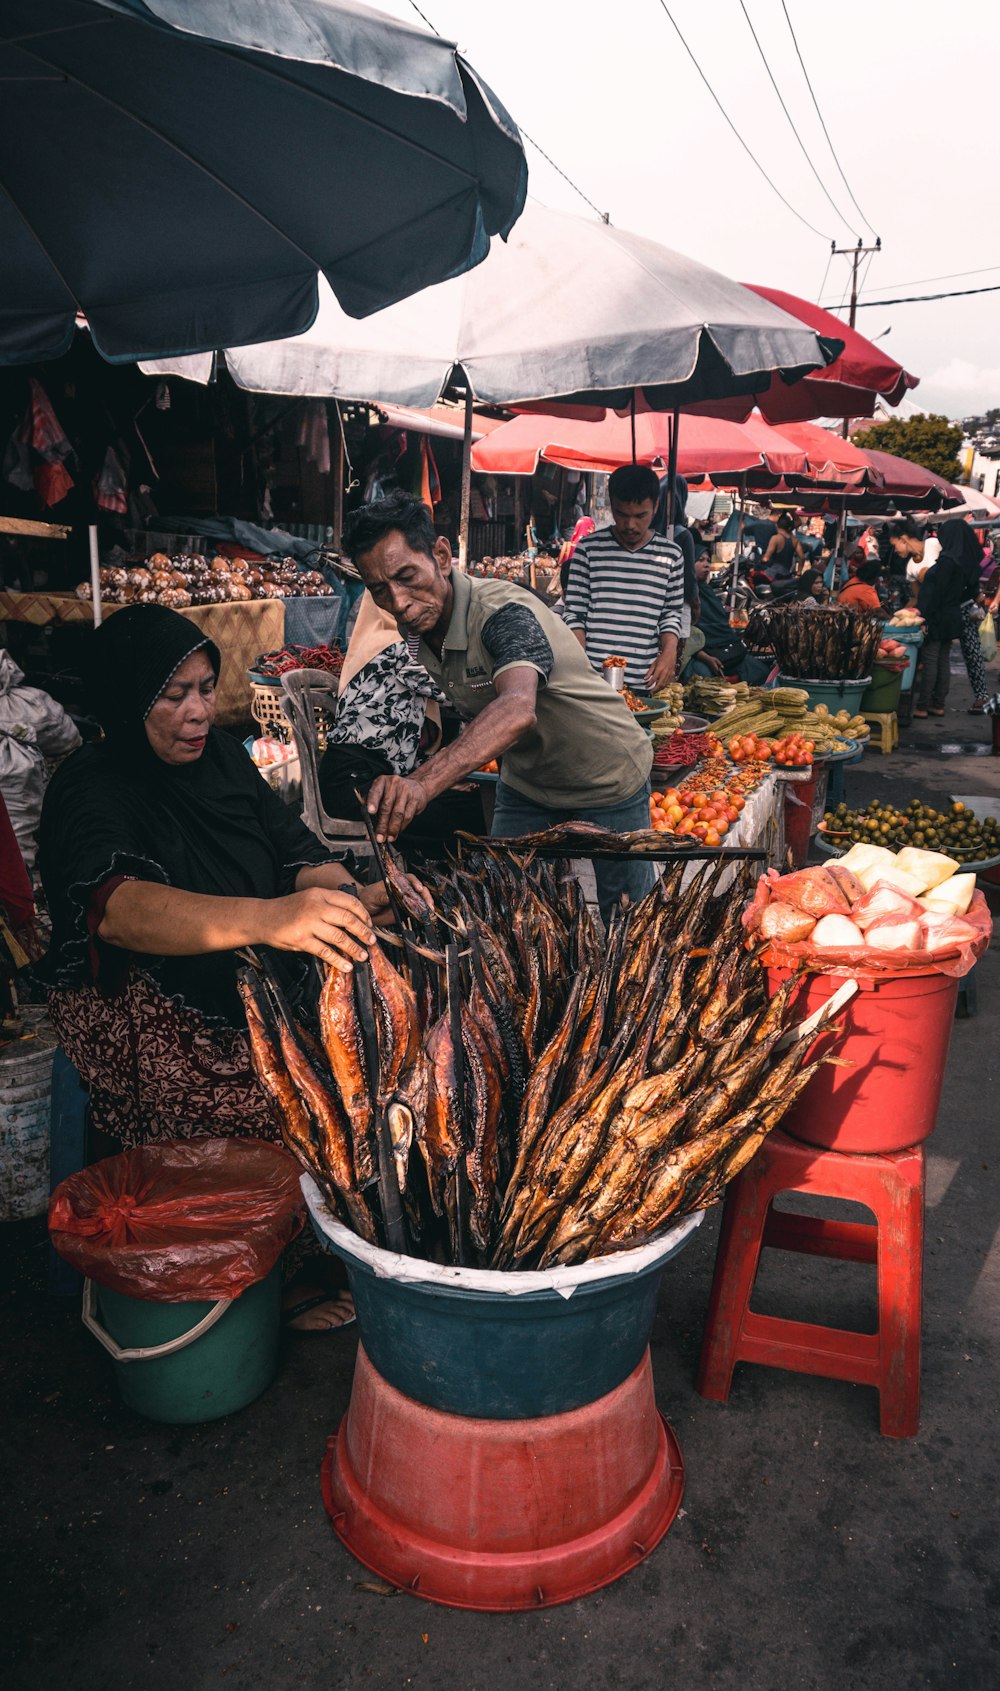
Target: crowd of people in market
(163, 855)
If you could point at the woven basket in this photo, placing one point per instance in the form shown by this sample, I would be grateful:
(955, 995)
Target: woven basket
(266, 708)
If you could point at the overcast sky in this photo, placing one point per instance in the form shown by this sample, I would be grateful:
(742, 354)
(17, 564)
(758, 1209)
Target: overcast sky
(909, 91)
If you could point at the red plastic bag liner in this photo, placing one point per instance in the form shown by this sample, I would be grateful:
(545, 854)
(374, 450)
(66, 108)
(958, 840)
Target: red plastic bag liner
(867, 962)
(180, 1221)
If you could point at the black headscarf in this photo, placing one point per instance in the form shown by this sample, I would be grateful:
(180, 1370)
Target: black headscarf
(132, 659)
(959, 543)
(118, 810)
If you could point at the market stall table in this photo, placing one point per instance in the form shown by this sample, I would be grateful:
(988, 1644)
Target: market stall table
(240, 629)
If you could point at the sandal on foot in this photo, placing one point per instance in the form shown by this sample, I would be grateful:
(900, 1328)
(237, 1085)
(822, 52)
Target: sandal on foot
(937, 713)
(977, 708)
(920, 713)
(290, 1315)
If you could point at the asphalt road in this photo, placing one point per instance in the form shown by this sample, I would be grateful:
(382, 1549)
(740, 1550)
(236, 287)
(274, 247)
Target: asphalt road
(810, 1551)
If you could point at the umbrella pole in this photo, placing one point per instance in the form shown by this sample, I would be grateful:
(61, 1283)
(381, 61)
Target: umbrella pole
(95, 576)
(739, 544)
(672, 474)
(463, 532)
(632, 419)
(839, 544)
(337, 514)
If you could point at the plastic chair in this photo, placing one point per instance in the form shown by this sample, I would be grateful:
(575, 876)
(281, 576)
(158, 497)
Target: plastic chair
(891, 1185)
(888, 725)
(307, 691)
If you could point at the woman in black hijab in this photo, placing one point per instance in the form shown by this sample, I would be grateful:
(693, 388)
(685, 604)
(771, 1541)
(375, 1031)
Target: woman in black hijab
(162, 852)
(959, 544)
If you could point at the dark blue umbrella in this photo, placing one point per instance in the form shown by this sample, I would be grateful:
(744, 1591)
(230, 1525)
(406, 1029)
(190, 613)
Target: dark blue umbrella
(180, 171)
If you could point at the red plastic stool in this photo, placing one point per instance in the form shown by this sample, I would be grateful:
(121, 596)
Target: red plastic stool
(892, 1186)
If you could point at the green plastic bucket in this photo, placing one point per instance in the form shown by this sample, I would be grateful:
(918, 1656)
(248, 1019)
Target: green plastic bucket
(189, 1362)
(836, 695)
(883, 694)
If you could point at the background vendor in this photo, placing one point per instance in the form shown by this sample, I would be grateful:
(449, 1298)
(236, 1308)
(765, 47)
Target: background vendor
(570, 748)
(625, 588)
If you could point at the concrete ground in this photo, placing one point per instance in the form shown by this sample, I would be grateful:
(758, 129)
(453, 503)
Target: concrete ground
(810, 1551)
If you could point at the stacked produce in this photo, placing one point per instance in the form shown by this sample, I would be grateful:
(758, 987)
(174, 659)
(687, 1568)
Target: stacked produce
(672, 695)
(957, 831)
(708, 803)
(531, 1095)
(833, 643)
(191, 579)
(906, 618)
(506, 569)
(678, 750)
(875, 907)
(711, 696)
(274, 664)
(773, 713)
(891, 652)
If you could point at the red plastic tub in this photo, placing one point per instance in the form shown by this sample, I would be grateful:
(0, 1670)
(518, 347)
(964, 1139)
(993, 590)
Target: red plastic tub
(897, 1033)
(501, 1515)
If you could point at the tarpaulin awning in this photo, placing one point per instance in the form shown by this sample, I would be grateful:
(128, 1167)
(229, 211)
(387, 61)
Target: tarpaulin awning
(180, 171)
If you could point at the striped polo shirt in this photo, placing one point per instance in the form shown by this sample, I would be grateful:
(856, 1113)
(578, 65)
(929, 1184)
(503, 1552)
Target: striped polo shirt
(623, 601)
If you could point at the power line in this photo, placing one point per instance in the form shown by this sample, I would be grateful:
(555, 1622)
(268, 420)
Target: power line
(781, 99)
(604, 216)
(746, 147)
(819, 114)
(949, 276)
(918, 299)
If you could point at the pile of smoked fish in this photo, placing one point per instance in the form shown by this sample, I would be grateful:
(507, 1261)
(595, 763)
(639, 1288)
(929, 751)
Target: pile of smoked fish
(521, 1091)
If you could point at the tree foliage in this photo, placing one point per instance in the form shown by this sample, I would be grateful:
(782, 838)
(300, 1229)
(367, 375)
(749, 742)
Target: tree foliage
(932, 442)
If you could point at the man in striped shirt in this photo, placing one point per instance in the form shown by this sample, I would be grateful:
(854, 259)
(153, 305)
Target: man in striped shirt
(625, 592)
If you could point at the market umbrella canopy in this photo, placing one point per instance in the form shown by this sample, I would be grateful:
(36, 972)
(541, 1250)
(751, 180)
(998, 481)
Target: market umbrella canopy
(567, 309)
(180, 171)
(903, 479)
(850, 386)
(832, 459)
(705, 445)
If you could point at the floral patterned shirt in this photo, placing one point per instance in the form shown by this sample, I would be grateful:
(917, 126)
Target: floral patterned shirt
(384, 705)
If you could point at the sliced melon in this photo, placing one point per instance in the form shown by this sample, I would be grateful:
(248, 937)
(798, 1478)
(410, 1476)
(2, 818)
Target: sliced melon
(929, 867)
(952, 897)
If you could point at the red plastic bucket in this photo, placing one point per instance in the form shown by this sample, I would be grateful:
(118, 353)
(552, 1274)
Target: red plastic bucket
(897, 1033)
(501, 1515)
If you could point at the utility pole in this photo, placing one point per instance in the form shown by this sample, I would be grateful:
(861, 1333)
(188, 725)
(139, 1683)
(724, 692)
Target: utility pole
(855, 254)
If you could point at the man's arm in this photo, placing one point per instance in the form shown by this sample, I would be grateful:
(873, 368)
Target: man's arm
(662, 670)
(394, 800)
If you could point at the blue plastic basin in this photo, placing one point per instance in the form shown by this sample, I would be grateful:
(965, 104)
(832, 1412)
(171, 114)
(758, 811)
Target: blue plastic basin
(490, 1355)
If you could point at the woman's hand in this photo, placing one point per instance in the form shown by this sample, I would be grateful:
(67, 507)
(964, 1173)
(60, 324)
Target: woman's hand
(333, 926)
(375, 899)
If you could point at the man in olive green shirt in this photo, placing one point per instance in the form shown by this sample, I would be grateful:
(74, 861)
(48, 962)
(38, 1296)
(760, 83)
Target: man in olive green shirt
(570, 749)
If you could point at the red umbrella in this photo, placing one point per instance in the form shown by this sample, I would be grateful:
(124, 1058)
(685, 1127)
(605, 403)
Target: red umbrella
(905, 480)
(849, 387)
(832, 459)
(601, 441)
